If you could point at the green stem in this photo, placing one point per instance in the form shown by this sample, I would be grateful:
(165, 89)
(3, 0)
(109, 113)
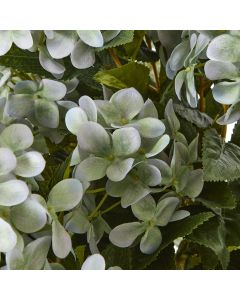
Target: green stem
(92, 215)
(110, 207)
(95, 191)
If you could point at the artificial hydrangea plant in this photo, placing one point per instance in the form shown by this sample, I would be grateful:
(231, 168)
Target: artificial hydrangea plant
(113, 150)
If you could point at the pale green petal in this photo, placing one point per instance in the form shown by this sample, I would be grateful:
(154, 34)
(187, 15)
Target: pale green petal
(22, 39)
(108, 35)
(52, 90)
(89, 106)
(65, 195)
(93, 138)
(20, 105)
(116, 189)
(78, 223)
(126, 141)
(92, 38)
(74, 118)
(145, 208)
(149, 174)
(118, 170)
(109, 112)
(8, 238)
(75, 158)
(16, 137)
(5, 41)
(133, 193)
(93, 168)
(125, 234)
(224, 47)
(61, 43)
(46, 113)
(148, 110)
(216, 70)
(151, 240)
(61, 240)
(166, 171)
(49, 64)
(35, 253)
(30, 164)
(82, 56)
(94, 262)
(159, 146)
(128, 101)
(149, 127)
(8, 161)
(179, 215)
(29, 216)
(165, 210)
(226, 92)
(13, 192)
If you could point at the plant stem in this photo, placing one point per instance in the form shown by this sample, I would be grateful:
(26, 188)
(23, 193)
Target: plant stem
(154, 66)
(95, 191)
(114, 56)
(110, 207)
(201, 93)
(92, 215)
(224, 127)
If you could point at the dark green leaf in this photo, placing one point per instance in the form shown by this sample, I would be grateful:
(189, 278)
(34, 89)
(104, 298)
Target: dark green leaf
(221, 160)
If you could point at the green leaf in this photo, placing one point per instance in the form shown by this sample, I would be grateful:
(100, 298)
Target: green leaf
(133, 47)
(221, 161)
(130, 75)
(217, 195)
(193, 116)
(235, 138)
(24, 61)
(124, 37)
(212, 234)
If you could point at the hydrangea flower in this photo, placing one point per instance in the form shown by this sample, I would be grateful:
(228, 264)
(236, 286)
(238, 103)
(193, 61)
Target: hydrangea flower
(151, 217)
(21, 38)
(37, 100)
(96, 262)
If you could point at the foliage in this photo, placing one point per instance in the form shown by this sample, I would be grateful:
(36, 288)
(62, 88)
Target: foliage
(113, 151)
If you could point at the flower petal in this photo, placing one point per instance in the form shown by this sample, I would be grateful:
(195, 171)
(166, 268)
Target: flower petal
(133, 193)
(92, 38)
(92, 168)
(46, 113)
(125, 234)
(61, 240)
(149, 174)
(118, 170)
(82, 56)
(52, 90)
(89, 106)
(30, 164)
(179, 215)
(151, 240)
(93, 138)
(216, 70)
(126, 141)
(226, 92)
(61, 43)
(8, 238)
(5, 41)
(65, 195)
(74, 118)
(159, 146)
(13, 192)
(8, 161)
(145, 208)
(49, 64)
(149, 127)
(128, 101)
(29, 216)
(17, 137)
(22, 38)
(165, 210)
(94, 262)
(19, 106)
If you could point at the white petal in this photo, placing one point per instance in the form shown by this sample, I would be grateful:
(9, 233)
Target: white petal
(5, 41)
(8, 238)
(30, 164)
(82, 56)
(52, 90)
(13, 192)
(49, 63)
(93, 38)
(61, 240)
(74, 118)
(90, 108)
(22, 38)
(8, 161)
(92, 168)
(94, 262)
(118, 170)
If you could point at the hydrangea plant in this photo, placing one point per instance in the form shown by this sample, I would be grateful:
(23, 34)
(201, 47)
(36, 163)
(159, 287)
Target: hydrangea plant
(113, 150)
